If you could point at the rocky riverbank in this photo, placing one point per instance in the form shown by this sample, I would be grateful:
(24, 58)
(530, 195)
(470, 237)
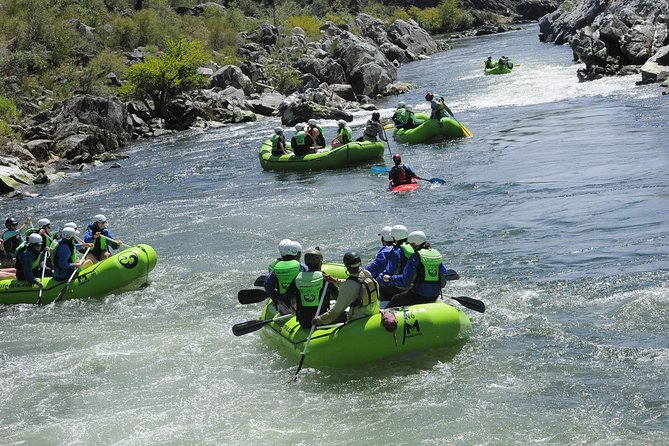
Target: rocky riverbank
(613, 37)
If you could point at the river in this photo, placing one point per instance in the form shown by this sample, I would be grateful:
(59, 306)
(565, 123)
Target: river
(554, 214)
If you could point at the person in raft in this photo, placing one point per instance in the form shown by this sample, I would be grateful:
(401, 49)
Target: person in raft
(400, 115)
(359, 291)
(438, 106)
(307, 287)
(400, 173)
(65, 257)
(11, 239)
(424, 274)
(397, 259)
(411, 120)
(316, 132)
(302, 142)
(344, 135)
(28, 260)
(489, 63)
(283, 273)
(278, 142)
(102, 239)
(378, 265)
(374, 129)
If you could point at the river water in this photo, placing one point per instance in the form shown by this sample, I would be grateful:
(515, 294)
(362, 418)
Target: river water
(554, 215)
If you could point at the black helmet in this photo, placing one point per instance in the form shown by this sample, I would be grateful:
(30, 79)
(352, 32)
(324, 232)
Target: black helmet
(376, 116)
(11, 221)
(429, 96)
(352, 260)
(397, 158)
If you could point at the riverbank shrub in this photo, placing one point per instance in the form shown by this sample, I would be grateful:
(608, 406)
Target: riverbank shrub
(9, 113)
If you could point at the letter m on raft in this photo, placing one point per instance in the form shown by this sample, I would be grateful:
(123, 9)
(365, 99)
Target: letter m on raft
(412, 328)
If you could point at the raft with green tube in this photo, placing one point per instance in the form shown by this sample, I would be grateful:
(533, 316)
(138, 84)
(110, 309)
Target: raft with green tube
(419, 327)
(431, 129)
(499, 70)
(124, 271)
(328, 158)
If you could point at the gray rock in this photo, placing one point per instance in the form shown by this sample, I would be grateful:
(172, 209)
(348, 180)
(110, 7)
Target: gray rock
(656, 69)
(231, 76)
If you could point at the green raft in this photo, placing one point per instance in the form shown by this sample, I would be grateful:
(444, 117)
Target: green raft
(328, 158)
(419, 327)
(431, 129)
(124, 271)
(499, 70)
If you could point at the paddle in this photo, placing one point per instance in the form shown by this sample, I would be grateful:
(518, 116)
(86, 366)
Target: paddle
(67, 285)
(251, 296)
(471, 303)
(311, 332)
(387, 142)
(433, 180)
(380, 169)
(250, 326)
(388, 126)
(39, 298)
(115, 241)
(260, 280)
(465, 130)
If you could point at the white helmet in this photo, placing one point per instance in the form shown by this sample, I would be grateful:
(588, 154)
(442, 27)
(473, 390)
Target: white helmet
(67, 233)
(408, 108)
(341, 122)
(399, 232)
(311, 122)
(417, 238)
(400, 104)
(72, 225)
(299, 126)
(42, 222)
(35, 239)
(283, 245)
(278, 130)
(100, 218)
(293, 248)
(386, 233)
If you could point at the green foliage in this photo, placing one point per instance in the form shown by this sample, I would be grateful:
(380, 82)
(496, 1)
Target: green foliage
(22, 63)
(310, 24)
(160, 79)
(93, 78)
(285, 78)
(6, 131)
(8, 110)
(447, 16)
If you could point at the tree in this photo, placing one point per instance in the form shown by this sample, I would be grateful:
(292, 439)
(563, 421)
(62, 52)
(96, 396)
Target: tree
(158, 80)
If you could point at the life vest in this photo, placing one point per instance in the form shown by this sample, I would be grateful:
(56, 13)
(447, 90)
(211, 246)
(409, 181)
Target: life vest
(371, 287)
(400, 175)
(270, 266)
(309, 284)
(400, 116)
(300, 137)
(286, 271)
(11, 244)
(22, 247)
(372, 129)
(73, 254)
(100, 243)
(408, 251)
(275, 143)
(345, 135)
(429, 267)
(320, 140)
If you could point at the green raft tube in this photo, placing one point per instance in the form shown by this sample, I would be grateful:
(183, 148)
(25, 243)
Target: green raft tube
(327, 158)
(499, 70)
(124, 271)
(431, 129)
(419, 327)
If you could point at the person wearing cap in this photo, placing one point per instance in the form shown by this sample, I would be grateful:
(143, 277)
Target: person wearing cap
(301, 142)
(316, 132)
(437, 105)
(397, 259)
(400, 173)
(374, 129)
(359, 292)
(11, 239)
(307, 287)
(28, 260)
(400, 115)
(423, 275)
(98, 234)
(378, 265)
(344, 134)
(283, 274)
(278, 142)
(65, 257)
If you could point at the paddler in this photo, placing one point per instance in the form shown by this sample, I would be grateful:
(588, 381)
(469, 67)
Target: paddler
(283, 274)
(65, 257)
(437, 105)
(378, 265)
(102, 239)
(400, 173)
(397, 259)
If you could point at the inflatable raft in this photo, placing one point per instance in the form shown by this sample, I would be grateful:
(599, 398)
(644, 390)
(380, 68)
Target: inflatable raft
(327, 158)
(419, 327)
(405, 187)
(431, 129)
(123, 271)
(499, 70)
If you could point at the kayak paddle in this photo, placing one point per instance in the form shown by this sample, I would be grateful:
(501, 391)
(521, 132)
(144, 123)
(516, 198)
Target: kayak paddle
(251, 296)
(74, 273)
(434, 180)
(260, 281)
(380, 169)
(250, 326)
(39, 298)
(470, 302)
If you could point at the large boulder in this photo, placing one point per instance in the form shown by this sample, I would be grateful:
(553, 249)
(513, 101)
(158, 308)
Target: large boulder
(656, 69)
(315, 103)
(231, 75)
(410, 36)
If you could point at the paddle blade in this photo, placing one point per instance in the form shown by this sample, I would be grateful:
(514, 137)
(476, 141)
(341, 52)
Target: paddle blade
(388, 126)
(380, 169)
(251, 296)
(471, 303)
(260, 281)
(249, 326)
(452, 275)
(437, 180)
(466, 131)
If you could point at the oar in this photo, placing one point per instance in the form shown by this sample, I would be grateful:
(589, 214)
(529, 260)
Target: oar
(313, 327)
(388, 126)
(251, 296)
(115, 241)
(380, 169)
(433, 180)
(67, 285)
(465, 130)
(471, 303)
(260, 281)
(250, 326)
(387, 143)
(39, 298)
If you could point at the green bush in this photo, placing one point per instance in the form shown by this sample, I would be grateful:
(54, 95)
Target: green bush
(453, 17)
(6, 131)
(8, 110)
(125, 33)
(310, 24)
(22, 63)
(285, 78)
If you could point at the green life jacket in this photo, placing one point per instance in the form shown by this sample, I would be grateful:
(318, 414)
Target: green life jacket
(271, 265)
(300, 137)
(22, 247)
(309, 284)
(345, 135)
(321, 135)
(401, 115)
(286, 271)
(371, 293)
(275, 142)
(407, 250)
(430, 261)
